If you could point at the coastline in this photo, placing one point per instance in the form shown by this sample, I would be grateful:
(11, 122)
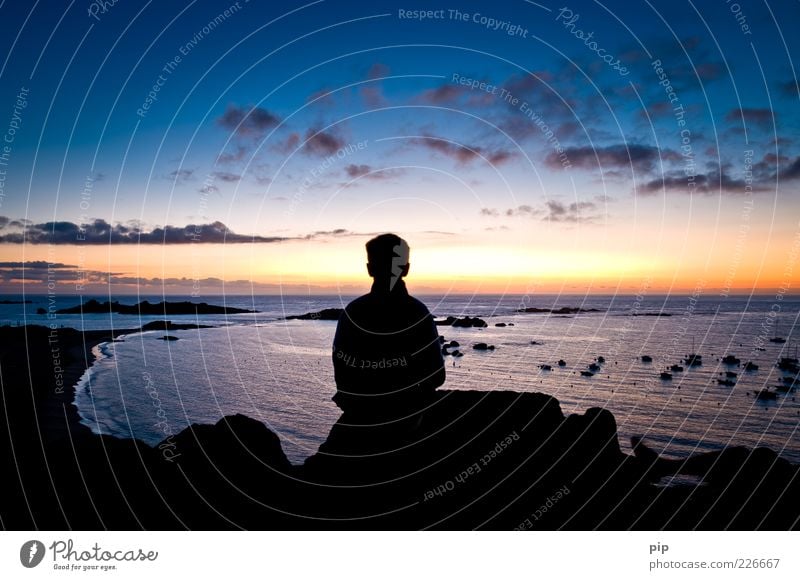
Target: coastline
(234, 474)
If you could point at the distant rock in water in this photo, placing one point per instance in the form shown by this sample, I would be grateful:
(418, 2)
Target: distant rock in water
(146, 308)
(501, 325)
(168, 337)
(562, 310)
(482, 346)
(466, 322)
(169, 325)
(15, 301)
(326, 314)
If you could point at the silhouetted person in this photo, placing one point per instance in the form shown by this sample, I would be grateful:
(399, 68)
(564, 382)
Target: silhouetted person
(387, 358)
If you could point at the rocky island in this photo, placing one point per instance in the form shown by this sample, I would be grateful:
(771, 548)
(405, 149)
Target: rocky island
(146, 308)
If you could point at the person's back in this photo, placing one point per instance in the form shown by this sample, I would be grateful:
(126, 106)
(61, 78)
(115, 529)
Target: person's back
(386, 353)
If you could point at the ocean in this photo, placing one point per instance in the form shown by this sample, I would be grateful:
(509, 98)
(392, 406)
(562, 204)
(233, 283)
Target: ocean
(280, 372)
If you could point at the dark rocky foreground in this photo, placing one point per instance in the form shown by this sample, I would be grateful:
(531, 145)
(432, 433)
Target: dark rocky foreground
(490, 460)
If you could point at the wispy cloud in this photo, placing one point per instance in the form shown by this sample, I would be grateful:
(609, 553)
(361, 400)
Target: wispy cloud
(762, 118)
(323, 143)
(766, 173)
(463, 154)
(551, 210)
(355, 171)
(247, 120)
(639, 157)
(226, 176)
(36, 265)
(181, 175)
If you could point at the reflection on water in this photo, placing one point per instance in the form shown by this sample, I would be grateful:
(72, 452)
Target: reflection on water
(281, 374)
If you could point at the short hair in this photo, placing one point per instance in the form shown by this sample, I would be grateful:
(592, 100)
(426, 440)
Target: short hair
(381, 252)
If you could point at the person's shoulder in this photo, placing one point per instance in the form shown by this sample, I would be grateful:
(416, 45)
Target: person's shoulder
(358, 303)
(418, 305)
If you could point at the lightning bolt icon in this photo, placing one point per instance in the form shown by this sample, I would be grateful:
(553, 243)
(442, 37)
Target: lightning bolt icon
(34, 549)
(399, 261)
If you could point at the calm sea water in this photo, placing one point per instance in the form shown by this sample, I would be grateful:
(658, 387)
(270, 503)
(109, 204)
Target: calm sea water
(280, 371)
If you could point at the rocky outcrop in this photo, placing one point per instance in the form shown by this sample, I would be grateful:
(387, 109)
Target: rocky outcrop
(562, 310)
(326, 314)
(485, 460)
(465, 322)
(169, 325)
(146, 308)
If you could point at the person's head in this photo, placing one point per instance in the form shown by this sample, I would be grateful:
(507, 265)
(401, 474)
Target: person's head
(387, 259)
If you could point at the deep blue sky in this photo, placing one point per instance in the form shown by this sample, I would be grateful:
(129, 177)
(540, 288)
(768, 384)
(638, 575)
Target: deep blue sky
(477, 165)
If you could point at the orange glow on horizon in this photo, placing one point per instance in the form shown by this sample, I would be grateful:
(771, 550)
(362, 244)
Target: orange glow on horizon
(442, 267)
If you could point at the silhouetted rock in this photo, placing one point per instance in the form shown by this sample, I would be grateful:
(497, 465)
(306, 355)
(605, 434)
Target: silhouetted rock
(562, 310)
(145, 308)
(465, 322)
(169, 325)
(325, 314)
(168, 337)
(501, 325)
(482, 346)
(475, 459)
(468, 322)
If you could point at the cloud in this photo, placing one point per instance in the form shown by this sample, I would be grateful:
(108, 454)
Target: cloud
(789, 88)
(338, 232)
(373, 93)
(288, 145)
(712, 181)
(3, 221)
(100, 232)
(373, 97)
(377, 71)
(323, 143)
(461, 153)
(793, 170)
(581, 211)
(639, 157)
(553, 211)
(448, 94)
(247, 120)
(774, 167)
(765, 175)
(181, 175)
(354, 171)
(36, 265)
(656, 110)
(322, 96)
(760, 117)
(708, 71)
(209, 188)
(232, 157)
(523, 211)
(40, 272)
(226, 176)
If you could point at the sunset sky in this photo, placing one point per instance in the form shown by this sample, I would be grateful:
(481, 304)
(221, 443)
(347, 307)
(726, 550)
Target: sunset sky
(518, 146)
